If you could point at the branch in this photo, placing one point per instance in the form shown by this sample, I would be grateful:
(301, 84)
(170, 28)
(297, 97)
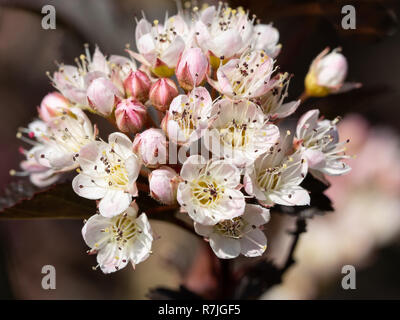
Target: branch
(300, 228)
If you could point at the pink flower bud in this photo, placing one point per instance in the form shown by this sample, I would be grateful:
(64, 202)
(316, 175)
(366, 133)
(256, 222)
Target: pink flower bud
(102, 96)
(52, 106)
(164, 185)
(162, 92)
(151, 145)
(137, 85)
(192, 68)
(130, 115)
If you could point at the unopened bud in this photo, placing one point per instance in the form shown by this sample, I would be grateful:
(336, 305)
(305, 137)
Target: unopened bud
(102, 96)
(52, 105)
(163, 184)
(192, 68)
(137, 85)
(130, 115)
(162, 92)
(152, 147)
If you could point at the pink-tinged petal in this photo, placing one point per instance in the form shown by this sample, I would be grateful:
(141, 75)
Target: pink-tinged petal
(147, 49)
(287, 109)
(307, 123)
(228, 173)
(348, 86)
(174, 132)
(140, 58)
(256, 215)
(114, 203)
(87, 187)
(191, 167)
(295, 174)
(171, 55)
(92, 230)
(316, 158)
(88, 155)
(331, 70)
(143, 27)
(207, 15)
(203, 230)
(226, 44)
(267, 38)
(99, 62)
(132, 165)
(253, 243)
(102, 95)
(202, 34)
(224, 247)
(223, 76)
(233, 204)
(336, 168)
(184, 195)
(248, 184)
(44, 179)
(121, 144)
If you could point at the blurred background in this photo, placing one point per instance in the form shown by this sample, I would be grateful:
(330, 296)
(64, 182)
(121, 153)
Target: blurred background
(364, 230)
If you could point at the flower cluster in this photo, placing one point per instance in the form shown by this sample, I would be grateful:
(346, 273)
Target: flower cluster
(199, 119)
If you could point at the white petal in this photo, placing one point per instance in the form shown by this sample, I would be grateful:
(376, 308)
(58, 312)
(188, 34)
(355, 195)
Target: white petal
(202, 229)
(291, 196)
(88, 187)
(114, 202)
(256, 215)
(91, 231)
(224, 247)
(253, 244)
(191, 167)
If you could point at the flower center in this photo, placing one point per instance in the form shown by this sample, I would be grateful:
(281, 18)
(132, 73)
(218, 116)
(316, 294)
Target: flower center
(242, 77)
(67, 133)
(231, 228)
(235, 134)
(270, 178)
(123, 230)
(115, 169)
(206, 192)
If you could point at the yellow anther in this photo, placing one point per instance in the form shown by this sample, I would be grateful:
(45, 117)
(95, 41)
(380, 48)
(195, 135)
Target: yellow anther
(155, 22)
(12, 172)
(19, 135)
(288, 133)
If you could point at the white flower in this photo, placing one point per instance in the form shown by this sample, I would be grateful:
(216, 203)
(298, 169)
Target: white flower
(119, 239)
(188, 116)
(108, 172)
(320, 144)
(62, 139)
(272, 102)
(246, 78)
(275, 178)
(210, 192)
(74, 81)
(223, 33)
(266, 38)
(40, 176)
(160, 45)
(240, 235)
(240, 132)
